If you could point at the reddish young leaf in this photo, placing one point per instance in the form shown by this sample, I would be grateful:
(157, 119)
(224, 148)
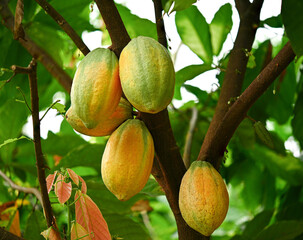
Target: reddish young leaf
(90, 217)
(83, 187)
(63, 190)
(73, 176)
(51, 234)
(50, 181)
(79, 232)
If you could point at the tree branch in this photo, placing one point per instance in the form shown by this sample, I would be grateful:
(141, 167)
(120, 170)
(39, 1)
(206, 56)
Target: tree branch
(114, 24)
(64, 25)
(13, 185)
(49, 63)
(40, 160)
(5, 235)
(238, 111)
(160, 23)
(236, 68)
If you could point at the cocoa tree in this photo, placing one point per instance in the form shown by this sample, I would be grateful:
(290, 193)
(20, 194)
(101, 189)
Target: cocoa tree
(241, 127)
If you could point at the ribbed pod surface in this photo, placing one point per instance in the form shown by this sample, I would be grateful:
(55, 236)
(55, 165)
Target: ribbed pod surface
(203, 198)
(96, 88)
(127, 159)
(147, 74)
(104, 127)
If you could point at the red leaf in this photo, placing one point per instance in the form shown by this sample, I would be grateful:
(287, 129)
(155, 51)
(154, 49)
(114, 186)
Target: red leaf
(73, 176)
(84, 187)
(50, 181)
(63, 190)
(51, 234)
(90, 217)
(79, 232)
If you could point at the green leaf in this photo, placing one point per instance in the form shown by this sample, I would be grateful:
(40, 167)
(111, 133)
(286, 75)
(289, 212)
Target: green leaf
(188, 73)
(258, 223)
(182, 4)
(11, 140)
(220, 27)
(123, 227)
(84, 155)
(59, 107)
(284, 230)
(293, 22)
(152, 188)
(35, 225)
(263, 134)
(194, 32)
(200, 94)
(287, 167)
(275, 22)
(56, 144)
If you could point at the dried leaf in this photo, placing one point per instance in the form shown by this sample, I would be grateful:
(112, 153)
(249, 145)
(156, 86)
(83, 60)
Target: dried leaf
(79, 232)
(90, 217)
(50, 181)
(63, 190)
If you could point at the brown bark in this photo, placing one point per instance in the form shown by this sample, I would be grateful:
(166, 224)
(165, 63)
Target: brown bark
(236, 68)
(5, 235)
(237, 112)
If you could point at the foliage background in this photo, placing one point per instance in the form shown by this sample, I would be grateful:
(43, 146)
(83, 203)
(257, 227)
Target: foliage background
(264, 179)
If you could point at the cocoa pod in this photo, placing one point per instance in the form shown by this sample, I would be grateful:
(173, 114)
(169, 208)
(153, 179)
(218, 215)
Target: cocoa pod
(147, 74)
(127, 159)
(203, 198)
(96, 88)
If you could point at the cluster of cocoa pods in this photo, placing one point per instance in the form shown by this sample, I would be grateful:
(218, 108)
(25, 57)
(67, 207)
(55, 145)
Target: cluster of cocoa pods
(145, 74)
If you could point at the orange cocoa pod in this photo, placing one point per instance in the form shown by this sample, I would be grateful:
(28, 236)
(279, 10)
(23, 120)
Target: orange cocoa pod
(105, 127)
(203, 198)
(128, 159)
(96, 88)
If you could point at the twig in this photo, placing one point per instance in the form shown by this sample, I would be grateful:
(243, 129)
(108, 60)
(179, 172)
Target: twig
(13, 185)
(64, 25)
(236, 68)
(23, 95)
(160, 23)
(49, 108)
(37, 52)
(189, 137)
(214, 150)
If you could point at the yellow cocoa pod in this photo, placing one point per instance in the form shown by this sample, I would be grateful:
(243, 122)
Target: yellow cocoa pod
(96, 88)
(203, 198)
(147, 74)
(128, 159)
(105, 127)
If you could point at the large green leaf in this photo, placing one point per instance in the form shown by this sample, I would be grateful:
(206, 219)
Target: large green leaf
(258, 223)
(220, 27)
(84, 155)
(35, 225)
(13, 117)
(287, 167)
(293, 22)
(194, 32)
(284, 230)
(124, 227)
(188, 73)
